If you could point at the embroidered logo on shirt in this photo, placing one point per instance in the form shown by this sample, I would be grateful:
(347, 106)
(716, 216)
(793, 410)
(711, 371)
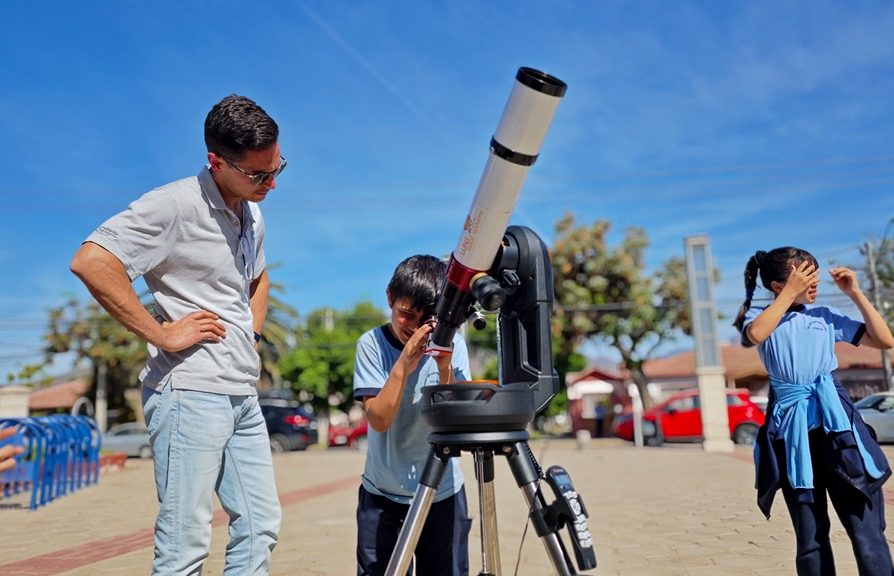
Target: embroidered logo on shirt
(106, 231)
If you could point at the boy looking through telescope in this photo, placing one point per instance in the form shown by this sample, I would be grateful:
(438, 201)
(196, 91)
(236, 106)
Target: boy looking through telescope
(390, 370)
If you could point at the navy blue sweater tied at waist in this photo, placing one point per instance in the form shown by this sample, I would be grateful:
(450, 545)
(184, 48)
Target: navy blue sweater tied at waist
(850, 450)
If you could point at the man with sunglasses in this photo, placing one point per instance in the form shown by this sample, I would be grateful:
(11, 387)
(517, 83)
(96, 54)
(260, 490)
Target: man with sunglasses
(199, 245)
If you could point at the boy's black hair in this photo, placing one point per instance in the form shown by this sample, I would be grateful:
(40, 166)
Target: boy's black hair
(418, 279)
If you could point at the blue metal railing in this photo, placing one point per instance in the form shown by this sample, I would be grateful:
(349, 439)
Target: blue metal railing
(60, 455)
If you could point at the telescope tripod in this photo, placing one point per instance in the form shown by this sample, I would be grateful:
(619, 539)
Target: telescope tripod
(547, 518)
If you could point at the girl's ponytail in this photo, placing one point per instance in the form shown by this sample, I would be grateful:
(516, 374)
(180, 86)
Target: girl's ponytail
(751, 268)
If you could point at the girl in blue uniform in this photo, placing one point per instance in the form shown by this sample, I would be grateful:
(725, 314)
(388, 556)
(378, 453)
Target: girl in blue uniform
(814, 442)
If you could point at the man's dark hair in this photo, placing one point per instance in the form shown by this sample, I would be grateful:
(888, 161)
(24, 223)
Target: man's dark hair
(236, 124)
(418, 279)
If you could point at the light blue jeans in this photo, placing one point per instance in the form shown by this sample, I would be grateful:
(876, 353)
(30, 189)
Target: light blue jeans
(206, 443)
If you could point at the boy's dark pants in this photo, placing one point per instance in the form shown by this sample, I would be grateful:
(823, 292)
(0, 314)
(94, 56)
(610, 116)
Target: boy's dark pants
(864, 520)
(443, 547)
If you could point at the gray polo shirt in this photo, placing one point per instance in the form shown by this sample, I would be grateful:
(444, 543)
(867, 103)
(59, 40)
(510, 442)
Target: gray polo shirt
(194, 255)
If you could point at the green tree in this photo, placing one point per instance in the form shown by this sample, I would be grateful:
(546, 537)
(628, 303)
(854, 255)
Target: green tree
(605, 294)
(322, 362)
(91, 335)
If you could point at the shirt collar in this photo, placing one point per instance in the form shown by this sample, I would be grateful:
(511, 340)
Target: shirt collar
(390, 337)
(210, 189)
(212, 193)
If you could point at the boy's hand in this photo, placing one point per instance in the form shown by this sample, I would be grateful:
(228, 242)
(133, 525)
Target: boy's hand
(846, 280)
(415, 347)
(444, 359)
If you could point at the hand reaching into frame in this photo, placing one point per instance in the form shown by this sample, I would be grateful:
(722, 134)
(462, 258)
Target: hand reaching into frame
(9, 452)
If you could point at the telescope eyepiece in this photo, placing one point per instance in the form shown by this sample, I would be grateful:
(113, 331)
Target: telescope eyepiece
(488, 292)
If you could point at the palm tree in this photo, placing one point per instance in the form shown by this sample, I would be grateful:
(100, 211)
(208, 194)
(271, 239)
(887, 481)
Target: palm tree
(278, 337)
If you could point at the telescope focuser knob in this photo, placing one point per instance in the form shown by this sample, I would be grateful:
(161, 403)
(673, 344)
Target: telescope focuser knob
(479, 320)
(511, 279)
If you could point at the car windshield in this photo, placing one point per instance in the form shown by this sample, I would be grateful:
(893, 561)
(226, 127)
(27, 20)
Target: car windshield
(868, 402)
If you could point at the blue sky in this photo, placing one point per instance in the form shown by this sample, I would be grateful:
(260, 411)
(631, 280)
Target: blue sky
(760, 124)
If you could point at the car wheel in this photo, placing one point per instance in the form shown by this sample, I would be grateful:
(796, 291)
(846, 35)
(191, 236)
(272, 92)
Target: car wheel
(360, 443)
(145, 452)
(279, 443)
(745, 434)
(653, 440)
(651, 434)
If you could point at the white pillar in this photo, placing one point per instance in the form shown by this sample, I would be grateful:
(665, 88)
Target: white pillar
(14, 401)
(708, 363)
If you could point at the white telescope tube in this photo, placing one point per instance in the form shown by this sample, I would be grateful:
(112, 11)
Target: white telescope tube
(513, 149)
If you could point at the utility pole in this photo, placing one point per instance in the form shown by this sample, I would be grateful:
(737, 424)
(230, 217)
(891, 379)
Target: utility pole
(877, 302)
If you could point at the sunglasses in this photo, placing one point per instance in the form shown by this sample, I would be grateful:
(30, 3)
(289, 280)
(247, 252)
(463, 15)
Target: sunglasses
(258, 178)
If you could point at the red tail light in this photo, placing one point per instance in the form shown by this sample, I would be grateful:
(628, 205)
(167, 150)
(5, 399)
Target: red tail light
(296, 420)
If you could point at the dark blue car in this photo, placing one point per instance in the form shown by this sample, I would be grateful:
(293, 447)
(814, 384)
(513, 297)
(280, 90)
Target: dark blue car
(289, 425)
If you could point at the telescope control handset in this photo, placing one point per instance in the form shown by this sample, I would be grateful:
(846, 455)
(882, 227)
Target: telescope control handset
(513, 149)
(569, 510)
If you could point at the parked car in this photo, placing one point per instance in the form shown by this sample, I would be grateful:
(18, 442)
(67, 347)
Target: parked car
(877, 410)
(761, 402)
(350, 436)
(289, 425)
(132, 438)
(679, 419)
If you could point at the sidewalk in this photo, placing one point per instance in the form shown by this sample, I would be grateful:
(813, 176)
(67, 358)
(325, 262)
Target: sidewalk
(673, 510)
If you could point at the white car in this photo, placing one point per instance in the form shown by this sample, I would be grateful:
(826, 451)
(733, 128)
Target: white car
(130, 438)
(878, 411)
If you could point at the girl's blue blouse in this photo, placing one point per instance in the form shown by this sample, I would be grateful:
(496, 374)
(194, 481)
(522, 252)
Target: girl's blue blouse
(802, 347)
(799, 356)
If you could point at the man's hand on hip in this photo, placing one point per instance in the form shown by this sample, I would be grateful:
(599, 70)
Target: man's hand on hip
(192, 329)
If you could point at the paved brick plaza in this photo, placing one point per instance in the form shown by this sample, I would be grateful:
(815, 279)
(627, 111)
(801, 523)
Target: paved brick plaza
(673, 510)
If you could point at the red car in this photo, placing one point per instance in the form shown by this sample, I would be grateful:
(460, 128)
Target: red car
(679, 419)
(351, 436)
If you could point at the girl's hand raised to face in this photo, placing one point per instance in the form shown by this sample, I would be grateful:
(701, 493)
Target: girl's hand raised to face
(846, 280)
(802, 278)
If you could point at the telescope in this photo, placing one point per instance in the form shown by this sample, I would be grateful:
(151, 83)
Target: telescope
(506, 270)
(503, 269)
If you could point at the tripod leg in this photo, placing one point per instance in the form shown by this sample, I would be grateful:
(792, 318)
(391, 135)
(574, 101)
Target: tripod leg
(415, 520)
(487, 511)
(527, 476)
